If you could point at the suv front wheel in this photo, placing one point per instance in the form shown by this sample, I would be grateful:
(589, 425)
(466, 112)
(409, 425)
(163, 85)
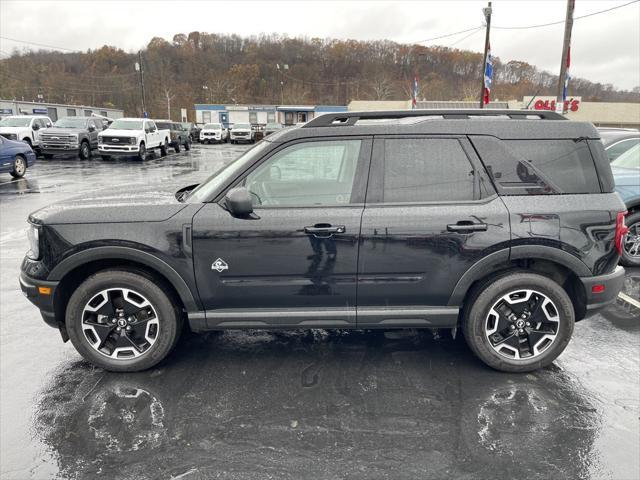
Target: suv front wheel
(519, 322)
(122, 321)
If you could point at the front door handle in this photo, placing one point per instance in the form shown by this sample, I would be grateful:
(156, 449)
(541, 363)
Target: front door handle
(324, 229)
(467, 226)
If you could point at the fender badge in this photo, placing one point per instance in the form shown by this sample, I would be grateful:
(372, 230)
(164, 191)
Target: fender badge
(219, 265)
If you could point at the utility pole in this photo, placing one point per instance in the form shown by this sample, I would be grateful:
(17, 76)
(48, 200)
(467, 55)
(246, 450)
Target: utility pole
(566, 44)
(169, 98)
(141, 70)
(487, 17)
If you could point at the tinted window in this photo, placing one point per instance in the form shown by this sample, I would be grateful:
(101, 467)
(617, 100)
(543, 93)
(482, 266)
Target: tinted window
(306, 174)
(536, 167)
(427, 170)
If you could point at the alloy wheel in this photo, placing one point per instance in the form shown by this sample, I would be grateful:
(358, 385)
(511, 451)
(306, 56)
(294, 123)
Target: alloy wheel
(120, 323)
(19, 166)
(631, 241)
(522, 324)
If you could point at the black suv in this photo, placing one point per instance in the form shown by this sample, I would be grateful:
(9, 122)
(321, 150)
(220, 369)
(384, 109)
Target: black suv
(179, 134)
(502, 223)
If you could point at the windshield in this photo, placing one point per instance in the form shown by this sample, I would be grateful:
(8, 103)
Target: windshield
(212, 126)
(70, 122)
(629, 159)
(15, 122)
(273, 126)
(126, 125)
(186, 125)
(242, 126)
(211, 185)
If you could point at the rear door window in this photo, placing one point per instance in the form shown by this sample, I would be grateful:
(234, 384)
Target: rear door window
(536, 167)
(427, 170)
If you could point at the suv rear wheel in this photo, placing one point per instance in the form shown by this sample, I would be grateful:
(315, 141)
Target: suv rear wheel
(519, 322)
(631, 241)
(122, 321)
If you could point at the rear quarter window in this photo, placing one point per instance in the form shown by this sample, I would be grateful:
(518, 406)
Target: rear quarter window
(537, 167)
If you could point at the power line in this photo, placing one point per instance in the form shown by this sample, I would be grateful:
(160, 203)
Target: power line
(562, 21)
(38, 44)
(447, 35)
(465, 37)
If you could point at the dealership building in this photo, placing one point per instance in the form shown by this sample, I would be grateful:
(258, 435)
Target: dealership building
(261, 114)
(55, 111)
(601, 114)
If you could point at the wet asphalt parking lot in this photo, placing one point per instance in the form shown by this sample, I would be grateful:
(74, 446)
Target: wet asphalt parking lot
(302, 404)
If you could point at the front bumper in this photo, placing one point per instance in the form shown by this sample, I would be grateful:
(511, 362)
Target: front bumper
(58, 149)
(118, 150)
(33, 289)
(612, 283)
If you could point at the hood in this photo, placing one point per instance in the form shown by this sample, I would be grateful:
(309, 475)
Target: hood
(13, 129)
(241, 130)
(134, 204)
(119, 133)
(62, 130)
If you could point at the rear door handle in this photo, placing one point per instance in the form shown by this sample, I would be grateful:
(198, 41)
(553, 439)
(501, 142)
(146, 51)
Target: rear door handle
(467, 226)
(324, 229)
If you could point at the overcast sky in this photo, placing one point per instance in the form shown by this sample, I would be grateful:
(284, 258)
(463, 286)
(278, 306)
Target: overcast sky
(605, 47)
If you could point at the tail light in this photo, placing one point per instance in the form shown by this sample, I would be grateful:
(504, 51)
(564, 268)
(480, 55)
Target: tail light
(621, 231)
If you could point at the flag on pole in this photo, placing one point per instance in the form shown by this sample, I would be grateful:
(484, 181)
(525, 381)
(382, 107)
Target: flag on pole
(414, 96)
(488, 75)
(567, 77)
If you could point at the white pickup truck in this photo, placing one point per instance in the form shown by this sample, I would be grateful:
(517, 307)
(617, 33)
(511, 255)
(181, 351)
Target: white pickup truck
(24, 127)
(132, 137)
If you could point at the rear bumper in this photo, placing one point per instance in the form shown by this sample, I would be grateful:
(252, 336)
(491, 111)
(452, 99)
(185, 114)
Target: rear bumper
(31, 289)
(612, 283)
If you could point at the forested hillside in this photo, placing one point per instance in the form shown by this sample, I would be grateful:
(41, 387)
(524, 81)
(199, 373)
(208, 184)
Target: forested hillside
(244, 70)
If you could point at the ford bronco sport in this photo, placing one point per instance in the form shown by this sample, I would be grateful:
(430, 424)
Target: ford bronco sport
(502, 223)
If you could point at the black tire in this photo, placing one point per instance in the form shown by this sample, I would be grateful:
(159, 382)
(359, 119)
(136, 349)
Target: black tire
(631, 250)
(105, 157)
(167, 314)
(164, 148)
(483, 299)
(85, 151)
(19, 167)
(142, 152)
(177, 147)
(48, 156)
(187, 145)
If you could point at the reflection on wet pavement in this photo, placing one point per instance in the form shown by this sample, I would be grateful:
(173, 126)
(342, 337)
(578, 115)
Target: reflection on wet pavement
(301, 404)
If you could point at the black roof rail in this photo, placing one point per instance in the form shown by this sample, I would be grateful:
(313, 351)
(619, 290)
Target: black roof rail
(350, 118)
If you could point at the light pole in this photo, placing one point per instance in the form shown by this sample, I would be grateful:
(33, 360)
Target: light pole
(206, 87)
(281, 70)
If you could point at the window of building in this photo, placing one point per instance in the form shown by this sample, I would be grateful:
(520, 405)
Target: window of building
(87, 113)
(103, 113)
(71, 112)
(427, 170)
(253, 118)
(206, 117)
(52, 113)
(306, 174)
(271, 117)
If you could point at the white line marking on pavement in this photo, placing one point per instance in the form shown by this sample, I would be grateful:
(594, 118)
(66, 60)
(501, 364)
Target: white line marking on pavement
(628, 299)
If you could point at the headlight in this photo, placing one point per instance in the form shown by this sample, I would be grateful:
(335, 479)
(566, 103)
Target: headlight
(100, 142)
(33, 235)
(133, 140)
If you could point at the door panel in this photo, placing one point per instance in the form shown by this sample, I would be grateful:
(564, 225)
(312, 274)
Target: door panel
(439, 217)
(271, 263)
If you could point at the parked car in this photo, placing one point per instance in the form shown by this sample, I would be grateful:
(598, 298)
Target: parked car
(618, 140)
(242, 132)
(626, 172)
(193, 129)
(348, 224)
(272, 128)
(71, 135)
(25, 128)
(214, 133)
(133, 137)
(15, 157)
(179, 134)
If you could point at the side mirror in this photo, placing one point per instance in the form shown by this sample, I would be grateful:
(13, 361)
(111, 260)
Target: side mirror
(147, 130)
(35, 127)
(91, 128)
(239, 202)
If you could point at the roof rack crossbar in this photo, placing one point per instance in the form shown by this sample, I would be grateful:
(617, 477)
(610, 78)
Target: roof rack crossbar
(346, 119)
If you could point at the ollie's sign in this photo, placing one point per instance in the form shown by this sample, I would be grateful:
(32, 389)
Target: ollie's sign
(549, 103)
